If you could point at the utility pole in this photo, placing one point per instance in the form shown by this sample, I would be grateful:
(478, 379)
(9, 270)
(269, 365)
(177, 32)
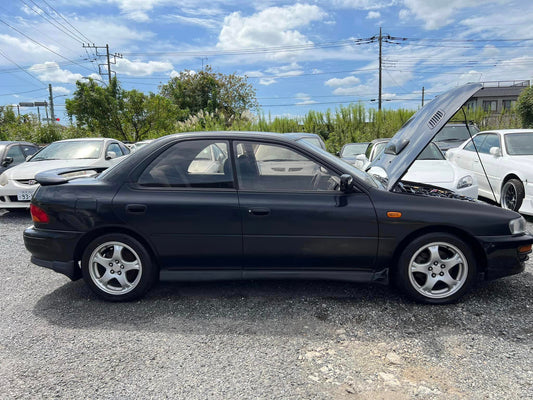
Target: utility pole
(379, 94)
(422, 96)
(51, 104)
(108, 57)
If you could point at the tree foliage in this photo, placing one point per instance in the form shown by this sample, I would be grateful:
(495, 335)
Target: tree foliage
(211, 93)
(524, 107)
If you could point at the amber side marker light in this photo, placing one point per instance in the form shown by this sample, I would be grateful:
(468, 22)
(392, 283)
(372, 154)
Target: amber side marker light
(38, 214)
(394, 214)
(524, 249)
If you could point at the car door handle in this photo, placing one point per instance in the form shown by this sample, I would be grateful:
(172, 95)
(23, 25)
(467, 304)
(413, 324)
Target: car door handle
(259, 211)
(136, 208)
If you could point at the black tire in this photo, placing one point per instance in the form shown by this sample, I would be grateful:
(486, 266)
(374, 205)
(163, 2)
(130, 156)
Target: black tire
(512, 195)
(118, 268)
(436, 268)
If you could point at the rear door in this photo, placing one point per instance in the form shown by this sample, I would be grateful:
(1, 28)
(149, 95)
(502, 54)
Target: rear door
(294, 216)
(189, 213)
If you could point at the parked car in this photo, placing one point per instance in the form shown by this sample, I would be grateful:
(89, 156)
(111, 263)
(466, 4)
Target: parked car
(506, 156)
(350, 151)
(430, 167)
(13, 153)
(454, 134)
(149, 218)
(138, 145)
(18, 184)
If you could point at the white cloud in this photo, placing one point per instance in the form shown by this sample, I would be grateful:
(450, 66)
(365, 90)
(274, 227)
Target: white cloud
(274, 26)
(267, 81)
(362, 4)
(140, 68)
(373, 15)
(304, 99)
(205, 22)
(348, 81)
(404, 14)
(138, 10)
(51, 72)
(439, 13)
(60, 90)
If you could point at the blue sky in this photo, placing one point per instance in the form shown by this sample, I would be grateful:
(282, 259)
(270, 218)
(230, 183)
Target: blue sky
(310, 55)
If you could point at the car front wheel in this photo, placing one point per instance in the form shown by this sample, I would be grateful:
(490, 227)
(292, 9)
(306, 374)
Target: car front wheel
(512, 195)
(436, 268)
(118, 268)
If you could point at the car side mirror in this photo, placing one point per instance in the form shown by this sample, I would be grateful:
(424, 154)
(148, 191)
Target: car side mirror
(346, 184)
(495, 151)
(110, 155)
(338, 153)
(6, 161)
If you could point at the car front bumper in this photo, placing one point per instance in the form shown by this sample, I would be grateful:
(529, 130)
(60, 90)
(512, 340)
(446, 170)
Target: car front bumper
(54, 250)
(527, 204)
(10, 192)
(503, 255)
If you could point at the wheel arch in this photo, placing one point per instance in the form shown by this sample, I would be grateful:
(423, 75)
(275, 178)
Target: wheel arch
(475, 246)
(90, 236)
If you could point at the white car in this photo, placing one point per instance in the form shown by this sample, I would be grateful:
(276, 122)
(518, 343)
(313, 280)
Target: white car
(431, 167)
(18, 184)
(507, 158)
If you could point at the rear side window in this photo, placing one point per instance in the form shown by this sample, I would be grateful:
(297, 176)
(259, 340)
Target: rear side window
(191, 164)
(29, 150)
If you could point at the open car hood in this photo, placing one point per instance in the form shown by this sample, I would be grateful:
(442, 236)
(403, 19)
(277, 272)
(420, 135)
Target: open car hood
(407, 144)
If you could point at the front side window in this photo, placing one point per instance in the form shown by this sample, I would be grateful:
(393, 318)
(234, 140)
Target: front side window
(190, 164)
(270, 167)
(490, 141)
(478, 141)
(15, 152)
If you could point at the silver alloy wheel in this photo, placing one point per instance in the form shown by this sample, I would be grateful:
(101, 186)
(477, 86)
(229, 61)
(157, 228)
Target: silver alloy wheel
(509, 197)
(438, 270)
(115, 268)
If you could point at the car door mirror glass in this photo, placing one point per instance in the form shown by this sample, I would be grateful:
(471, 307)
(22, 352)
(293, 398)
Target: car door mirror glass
(495, 151)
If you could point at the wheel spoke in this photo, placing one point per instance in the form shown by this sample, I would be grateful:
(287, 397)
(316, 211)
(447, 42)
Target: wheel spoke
(123, 281)
(448, 280)
(452, 262)
(430, 284)
(128, 266)
(416, 267)
(105, 278)
(99, 259)
(434, 252)
(117, 251)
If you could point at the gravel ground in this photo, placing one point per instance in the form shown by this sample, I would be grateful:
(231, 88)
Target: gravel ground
(257, 340)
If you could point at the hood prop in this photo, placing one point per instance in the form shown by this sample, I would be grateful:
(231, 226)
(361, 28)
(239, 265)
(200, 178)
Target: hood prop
(477, 152)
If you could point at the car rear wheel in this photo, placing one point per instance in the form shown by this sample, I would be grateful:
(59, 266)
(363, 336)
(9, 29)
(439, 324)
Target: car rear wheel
(118, 268)
(512, 195)
(436, 268)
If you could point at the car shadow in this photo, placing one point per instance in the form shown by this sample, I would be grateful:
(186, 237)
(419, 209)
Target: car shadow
(293, 308)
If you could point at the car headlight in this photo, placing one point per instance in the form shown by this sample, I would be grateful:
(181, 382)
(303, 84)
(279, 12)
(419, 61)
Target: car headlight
(3, 179)
(517, 226)
(465, 181)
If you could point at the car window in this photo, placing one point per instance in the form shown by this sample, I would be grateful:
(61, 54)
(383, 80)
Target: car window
(15, 152)
(114, 147)
(270, 167)
(519, 144)
(491, 140)
(431, 152)
(190, 164)
(478, 141)
(351, 150)
(70, 150)
(29, 150)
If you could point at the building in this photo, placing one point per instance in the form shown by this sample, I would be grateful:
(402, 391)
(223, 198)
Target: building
(497, 97)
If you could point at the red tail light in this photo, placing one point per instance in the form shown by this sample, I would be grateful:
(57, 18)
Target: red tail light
(38, 214)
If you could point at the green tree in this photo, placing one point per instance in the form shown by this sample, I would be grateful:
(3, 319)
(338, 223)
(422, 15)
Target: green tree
(524, 107)
(210, 92)
(123, 114)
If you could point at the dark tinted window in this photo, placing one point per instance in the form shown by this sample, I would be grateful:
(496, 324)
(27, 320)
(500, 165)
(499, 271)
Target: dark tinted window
(269, 167)
(431, 152)
(192, 163)
(478, 141)
(29, 150)
(16, 153)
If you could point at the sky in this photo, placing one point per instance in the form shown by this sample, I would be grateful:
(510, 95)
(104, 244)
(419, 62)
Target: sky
(299, 56)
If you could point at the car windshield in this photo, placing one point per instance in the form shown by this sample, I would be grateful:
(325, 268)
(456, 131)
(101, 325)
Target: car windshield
(351, 150)
(363, 176)
(456, 133)
(431, 152)
(378, 149)
(72, 150)
(519, 144)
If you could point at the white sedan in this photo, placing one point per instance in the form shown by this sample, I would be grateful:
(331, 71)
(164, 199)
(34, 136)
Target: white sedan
(432, 168)
(18, 184)
(507, 158)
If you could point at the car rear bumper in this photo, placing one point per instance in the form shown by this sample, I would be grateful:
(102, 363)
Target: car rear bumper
(54, 250)
(503, 255)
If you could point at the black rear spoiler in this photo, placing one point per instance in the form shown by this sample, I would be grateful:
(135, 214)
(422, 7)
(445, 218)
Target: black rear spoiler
(63, 175)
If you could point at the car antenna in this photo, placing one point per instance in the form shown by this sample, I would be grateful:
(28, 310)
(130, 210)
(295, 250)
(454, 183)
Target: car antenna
(477, 152)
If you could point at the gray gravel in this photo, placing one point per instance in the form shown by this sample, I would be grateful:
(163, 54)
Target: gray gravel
(257, 340)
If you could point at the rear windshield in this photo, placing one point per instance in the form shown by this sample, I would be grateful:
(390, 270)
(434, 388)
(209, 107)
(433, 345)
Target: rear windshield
(455, 133)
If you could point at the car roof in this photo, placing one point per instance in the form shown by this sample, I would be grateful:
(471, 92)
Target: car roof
(231, 135)
(92, 139)
(505, 131)
(6, 142)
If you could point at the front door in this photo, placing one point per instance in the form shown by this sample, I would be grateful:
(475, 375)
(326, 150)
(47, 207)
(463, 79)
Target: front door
(295, 217)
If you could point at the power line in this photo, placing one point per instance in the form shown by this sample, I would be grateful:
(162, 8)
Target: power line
(27, 91)
(22, 69)
(62, 17)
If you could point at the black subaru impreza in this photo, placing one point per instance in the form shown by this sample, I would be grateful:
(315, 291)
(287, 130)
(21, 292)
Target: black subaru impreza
(249, 205)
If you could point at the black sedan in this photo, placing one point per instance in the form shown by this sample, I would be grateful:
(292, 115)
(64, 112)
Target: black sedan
(269, 206)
